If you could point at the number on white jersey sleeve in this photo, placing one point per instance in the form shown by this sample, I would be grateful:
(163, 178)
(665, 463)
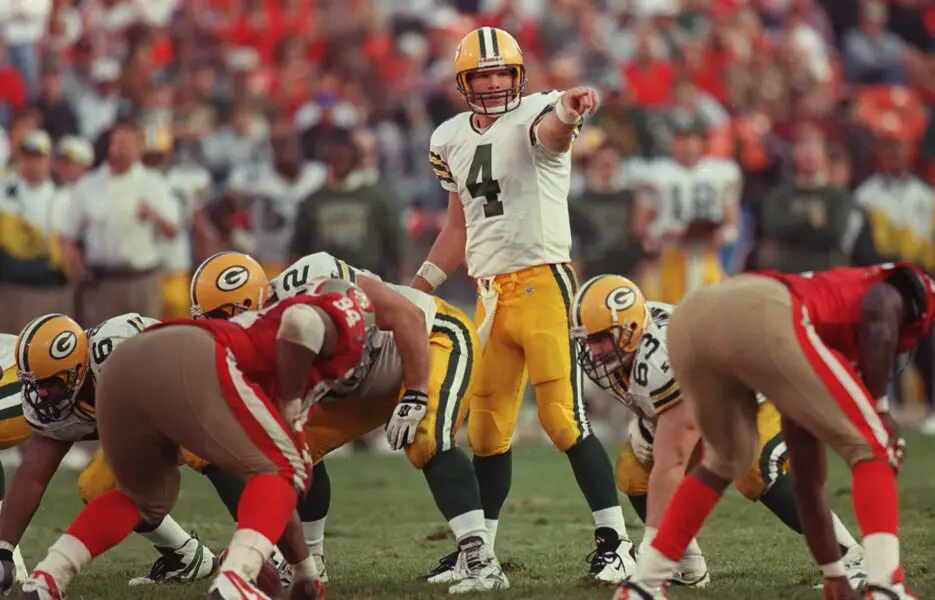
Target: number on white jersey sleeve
(293, 280)
(109, 334)
(651, 369)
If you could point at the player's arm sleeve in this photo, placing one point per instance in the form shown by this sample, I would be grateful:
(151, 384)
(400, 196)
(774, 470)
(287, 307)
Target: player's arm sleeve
(439, 162)
(301, 325)
(665, 394)
(545, 102)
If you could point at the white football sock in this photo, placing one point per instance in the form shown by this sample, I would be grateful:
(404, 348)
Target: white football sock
(66, 558)
(305, 570)
(469, 524)
(881, 557)
(841, 533)
(613, 518)
(653, 569)
(492, 525)
(169, 534)
(314, 532)
(247, 552)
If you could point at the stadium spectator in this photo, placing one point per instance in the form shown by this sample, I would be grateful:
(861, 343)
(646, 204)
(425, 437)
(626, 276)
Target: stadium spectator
(609, 238)
(871, 53)
(33, 277)
(350, 216)
(97, 109)
(240, 143)
(73, 157)
(13, 91)
(111, 231)
(271, 193)
(806, 223)
(24, 24)
(58, 116)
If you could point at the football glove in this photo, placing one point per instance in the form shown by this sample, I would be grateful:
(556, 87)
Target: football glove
(402, 427)
(641, 440)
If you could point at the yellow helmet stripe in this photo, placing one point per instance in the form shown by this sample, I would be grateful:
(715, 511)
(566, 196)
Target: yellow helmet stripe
(26, 339)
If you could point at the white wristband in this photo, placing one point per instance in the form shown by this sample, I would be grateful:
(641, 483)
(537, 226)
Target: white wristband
(562, 113)
(883, 404)
(835, 569)
(432, 273)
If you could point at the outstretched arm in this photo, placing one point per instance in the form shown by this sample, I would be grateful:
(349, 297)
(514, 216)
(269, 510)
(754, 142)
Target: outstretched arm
(41, 457)
(557, 130)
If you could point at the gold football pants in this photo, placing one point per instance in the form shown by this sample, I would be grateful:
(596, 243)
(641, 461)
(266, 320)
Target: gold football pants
(633, 476)
(529, 337)
(453, 344)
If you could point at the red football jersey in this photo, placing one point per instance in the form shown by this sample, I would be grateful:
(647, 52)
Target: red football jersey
(833, 300)
(251, 338)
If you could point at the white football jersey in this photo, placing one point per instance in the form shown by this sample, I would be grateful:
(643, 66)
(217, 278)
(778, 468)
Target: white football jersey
(685, 194)
(383, 374)
(650, 388)
(514, 191)
(102, 340)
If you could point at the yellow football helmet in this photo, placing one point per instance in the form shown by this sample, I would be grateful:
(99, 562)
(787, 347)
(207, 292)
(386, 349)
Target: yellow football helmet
(490, 49)
(228, 284)
(52, 362)
(610, 308)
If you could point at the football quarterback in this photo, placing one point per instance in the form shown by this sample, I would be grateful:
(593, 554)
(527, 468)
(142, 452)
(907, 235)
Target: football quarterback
(695, 202)
(53, 356)
(621, 342)
(506, 164)
(415, 382)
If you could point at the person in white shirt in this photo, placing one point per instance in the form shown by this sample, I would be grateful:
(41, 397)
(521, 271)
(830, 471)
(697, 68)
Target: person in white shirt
(110, 236)
(33, 276)
(24, 24)
(274, 191)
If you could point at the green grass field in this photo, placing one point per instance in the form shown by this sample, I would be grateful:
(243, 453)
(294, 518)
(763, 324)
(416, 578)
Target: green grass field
(384, 531)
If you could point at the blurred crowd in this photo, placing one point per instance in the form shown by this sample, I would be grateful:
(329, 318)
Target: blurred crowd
(138, 137)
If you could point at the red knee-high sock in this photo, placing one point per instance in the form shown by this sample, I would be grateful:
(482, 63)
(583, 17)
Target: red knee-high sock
(876, 501)
(876, 506)
(105, 522)
(691, 504)
(265, 506)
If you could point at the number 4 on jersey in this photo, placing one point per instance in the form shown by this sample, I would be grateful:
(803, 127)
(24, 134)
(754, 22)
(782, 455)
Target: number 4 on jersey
(481, 183)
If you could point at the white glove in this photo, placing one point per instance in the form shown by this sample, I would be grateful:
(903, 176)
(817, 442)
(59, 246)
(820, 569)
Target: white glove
(641, 440)
(402, 427)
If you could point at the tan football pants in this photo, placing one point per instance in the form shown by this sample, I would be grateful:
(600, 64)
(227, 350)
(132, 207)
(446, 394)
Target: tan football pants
(748, 333)
(165, 389)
